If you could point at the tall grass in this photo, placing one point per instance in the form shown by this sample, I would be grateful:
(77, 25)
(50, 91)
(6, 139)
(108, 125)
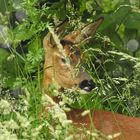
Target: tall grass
(114, 70)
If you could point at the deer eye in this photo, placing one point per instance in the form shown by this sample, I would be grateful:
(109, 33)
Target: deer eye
(63, 60)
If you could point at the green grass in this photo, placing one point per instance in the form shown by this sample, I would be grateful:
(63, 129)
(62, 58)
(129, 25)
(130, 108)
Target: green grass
(113, 67)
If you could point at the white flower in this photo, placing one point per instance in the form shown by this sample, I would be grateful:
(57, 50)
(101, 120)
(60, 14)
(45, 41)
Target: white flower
(11, 124)
(6, 135)
(84, 113)
(5, 107)
(24, 123)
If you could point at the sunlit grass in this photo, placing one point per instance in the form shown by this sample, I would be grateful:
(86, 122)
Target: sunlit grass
(29, 113)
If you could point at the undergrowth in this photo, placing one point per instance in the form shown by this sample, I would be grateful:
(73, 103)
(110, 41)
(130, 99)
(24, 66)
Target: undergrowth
(112, 60)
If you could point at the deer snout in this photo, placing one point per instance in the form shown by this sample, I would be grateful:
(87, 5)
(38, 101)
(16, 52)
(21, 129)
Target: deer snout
(87, 85)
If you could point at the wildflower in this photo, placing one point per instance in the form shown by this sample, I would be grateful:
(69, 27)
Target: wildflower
(69, 137)
(11, 57)
(24, 123)
(11, 124)
(65, 123)
(5, 107)
(84, 113)
(114, 135)
(25, 134)
(6, 135)
(36, 131)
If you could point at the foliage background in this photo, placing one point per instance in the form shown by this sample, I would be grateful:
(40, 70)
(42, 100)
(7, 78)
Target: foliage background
(112, 57)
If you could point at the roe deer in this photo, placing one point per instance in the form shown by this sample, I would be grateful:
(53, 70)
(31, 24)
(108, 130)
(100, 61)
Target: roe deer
(61, 58)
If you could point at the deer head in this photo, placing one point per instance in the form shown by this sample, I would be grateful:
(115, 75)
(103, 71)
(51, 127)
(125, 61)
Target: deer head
(63, 55)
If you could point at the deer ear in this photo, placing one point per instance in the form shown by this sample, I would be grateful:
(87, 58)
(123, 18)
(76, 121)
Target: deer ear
(83, 35)
(60, 29)
(89, 30)
(48, 41)
(52, 39)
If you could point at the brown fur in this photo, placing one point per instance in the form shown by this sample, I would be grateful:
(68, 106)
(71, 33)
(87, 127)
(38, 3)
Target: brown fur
(59, 66)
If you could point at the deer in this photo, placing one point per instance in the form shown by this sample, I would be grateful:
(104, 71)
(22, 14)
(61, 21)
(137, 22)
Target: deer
(62, 55)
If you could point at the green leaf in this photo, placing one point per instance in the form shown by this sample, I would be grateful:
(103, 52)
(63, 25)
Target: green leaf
(23, 33)
(115, 18)
(3, 56)
(133, 21)
(87, 101)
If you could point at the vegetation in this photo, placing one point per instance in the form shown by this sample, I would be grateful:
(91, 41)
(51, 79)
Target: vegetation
(111, 58)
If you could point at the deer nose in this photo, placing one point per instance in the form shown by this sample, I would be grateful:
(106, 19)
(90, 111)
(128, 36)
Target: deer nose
(87, 85)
